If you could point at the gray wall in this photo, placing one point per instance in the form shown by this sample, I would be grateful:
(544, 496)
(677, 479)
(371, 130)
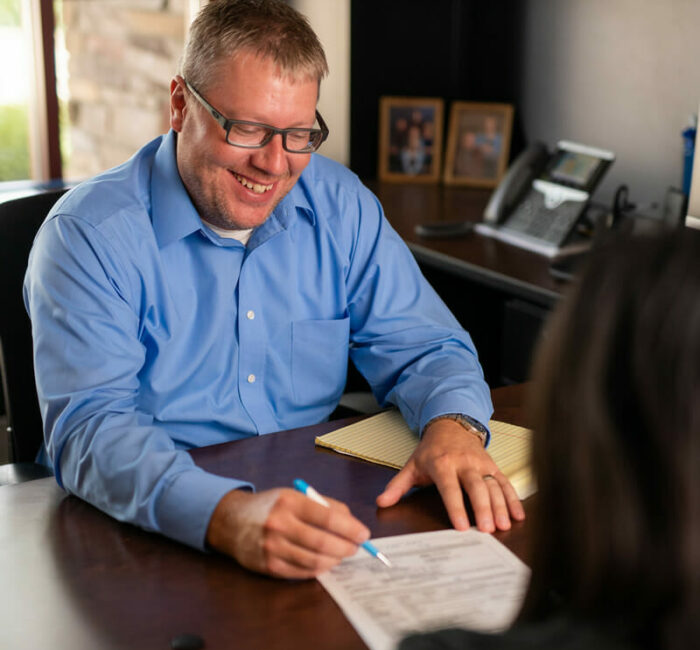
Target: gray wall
(619, 74)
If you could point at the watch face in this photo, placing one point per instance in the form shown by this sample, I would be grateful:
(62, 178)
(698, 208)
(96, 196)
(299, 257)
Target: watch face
(475, 423)
(469, 424)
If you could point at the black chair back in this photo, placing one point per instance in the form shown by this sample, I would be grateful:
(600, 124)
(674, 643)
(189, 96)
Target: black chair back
(19, 221)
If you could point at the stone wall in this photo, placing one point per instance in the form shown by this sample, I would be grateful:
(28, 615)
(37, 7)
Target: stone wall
(122, 55)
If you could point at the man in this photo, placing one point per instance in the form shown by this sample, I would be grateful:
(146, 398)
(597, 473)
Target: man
(209, 289)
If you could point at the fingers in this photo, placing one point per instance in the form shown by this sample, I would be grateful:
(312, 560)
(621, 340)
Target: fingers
(301, 539)
(493, 499)
(286, 557)
(485, 495)
(397, 487)
(330, 531)
(281, 568)
(487, 502)
(448, 484)
(515, 506)
(456, 462)
(283, 533)
(498, 507)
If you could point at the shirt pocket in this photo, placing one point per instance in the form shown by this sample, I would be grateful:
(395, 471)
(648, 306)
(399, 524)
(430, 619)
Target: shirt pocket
(319, 360)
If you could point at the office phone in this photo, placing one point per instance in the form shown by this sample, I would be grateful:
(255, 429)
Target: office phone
(543, 195)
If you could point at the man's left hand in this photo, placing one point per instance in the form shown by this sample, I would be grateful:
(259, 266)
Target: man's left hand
(454, 459)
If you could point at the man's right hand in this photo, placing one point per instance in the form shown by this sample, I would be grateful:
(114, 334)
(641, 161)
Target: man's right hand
(283, 533)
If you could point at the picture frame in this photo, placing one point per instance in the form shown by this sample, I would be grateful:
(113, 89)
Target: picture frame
(478, 143)
(410, 139)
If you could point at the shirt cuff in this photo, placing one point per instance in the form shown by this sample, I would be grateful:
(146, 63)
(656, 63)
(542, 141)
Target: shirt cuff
(187, 503)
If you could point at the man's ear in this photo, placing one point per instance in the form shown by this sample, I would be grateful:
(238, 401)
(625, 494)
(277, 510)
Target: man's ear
(178, 103)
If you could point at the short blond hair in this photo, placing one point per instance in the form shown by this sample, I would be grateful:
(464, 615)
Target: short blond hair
(270, 29)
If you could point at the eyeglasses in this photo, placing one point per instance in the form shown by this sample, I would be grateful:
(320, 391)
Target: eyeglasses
(254, 135)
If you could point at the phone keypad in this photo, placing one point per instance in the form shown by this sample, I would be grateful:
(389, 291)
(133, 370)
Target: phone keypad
(533, 219)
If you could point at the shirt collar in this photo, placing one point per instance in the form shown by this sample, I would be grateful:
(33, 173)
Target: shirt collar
(175, 217)
(173, 213)
(298, 196)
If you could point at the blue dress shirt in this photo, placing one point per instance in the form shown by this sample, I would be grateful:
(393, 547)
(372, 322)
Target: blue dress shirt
(153, 335)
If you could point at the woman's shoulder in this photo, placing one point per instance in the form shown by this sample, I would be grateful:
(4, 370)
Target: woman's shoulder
(557, 634)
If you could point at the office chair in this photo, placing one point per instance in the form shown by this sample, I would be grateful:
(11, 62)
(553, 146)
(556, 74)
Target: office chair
(19, 221)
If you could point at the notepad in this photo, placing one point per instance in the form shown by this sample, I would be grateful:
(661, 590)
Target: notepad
(385, 439)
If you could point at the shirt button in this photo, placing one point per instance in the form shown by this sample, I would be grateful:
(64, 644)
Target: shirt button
(250, 314)
(251, 379)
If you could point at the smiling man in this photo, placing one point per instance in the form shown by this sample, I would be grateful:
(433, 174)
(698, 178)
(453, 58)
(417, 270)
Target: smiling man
(233, 182)
(210, 289)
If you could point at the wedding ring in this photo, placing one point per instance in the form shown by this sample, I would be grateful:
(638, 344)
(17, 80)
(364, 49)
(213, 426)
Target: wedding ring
(486, 477)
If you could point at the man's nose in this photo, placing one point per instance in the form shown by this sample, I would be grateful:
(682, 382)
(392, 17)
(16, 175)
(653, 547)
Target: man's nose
(272, 158)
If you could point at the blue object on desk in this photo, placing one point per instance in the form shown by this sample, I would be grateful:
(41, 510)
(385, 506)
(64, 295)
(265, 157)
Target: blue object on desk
(688, 154)
(303, 487)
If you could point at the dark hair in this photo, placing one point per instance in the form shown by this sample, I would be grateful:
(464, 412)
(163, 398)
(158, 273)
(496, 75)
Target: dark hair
(266, 28)
(616, 414)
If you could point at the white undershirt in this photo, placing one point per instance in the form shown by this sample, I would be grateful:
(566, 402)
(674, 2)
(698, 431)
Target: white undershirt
(241, 235)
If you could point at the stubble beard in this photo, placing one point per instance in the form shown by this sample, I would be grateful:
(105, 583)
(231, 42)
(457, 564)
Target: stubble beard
(218, 213)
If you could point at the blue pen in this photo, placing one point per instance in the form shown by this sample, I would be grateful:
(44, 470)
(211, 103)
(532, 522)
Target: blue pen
(306, 489)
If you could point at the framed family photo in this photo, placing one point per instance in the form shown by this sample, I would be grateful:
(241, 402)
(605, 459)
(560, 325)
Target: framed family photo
(410, 139)
(478, 143)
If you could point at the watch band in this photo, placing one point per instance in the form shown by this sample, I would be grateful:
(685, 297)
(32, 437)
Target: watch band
(470, 424)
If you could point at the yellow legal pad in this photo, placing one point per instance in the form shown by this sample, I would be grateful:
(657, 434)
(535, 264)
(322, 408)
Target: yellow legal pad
(385, 439)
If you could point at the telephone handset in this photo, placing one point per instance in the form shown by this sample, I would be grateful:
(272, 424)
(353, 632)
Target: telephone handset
(515, 183)
(543, 195)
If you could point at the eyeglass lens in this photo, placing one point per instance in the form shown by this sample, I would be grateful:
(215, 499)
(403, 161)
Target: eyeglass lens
(252, 135)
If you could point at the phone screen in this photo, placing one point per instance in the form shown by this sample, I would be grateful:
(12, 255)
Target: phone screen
(573, 168)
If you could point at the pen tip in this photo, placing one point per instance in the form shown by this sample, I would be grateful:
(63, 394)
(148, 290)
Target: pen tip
(384, 559)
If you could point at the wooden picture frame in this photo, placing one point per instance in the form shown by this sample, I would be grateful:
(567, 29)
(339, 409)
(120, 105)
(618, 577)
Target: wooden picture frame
(410, 139)
(478, 143)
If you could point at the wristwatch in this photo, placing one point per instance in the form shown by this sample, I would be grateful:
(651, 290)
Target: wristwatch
(470, 424)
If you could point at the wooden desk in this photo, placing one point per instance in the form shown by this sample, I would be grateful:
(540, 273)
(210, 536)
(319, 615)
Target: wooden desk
(475, 257)
(74, 578)
(500, 293)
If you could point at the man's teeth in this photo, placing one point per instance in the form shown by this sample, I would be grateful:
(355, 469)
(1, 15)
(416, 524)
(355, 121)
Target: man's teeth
(256, 187)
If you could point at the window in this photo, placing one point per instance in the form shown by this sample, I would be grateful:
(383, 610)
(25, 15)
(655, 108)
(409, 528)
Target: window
(29, 146)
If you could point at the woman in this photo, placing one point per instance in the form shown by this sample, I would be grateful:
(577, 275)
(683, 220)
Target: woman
(616, 413)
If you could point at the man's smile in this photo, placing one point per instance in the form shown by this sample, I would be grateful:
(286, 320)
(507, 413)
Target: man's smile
(255, 187)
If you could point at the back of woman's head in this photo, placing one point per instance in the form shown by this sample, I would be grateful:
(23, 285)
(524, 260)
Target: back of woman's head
(616, 412)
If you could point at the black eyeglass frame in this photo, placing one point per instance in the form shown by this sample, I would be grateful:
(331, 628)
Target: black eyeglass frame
(226, 124)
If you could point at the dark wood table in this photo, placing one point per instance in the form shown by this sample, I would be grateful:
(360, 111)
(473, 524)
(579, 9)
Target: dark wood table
(484, 260)
(72, 577)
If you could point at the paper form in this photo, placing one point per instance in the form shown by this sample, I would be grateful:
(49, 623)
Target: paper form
(386, 439)
(445, 578)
